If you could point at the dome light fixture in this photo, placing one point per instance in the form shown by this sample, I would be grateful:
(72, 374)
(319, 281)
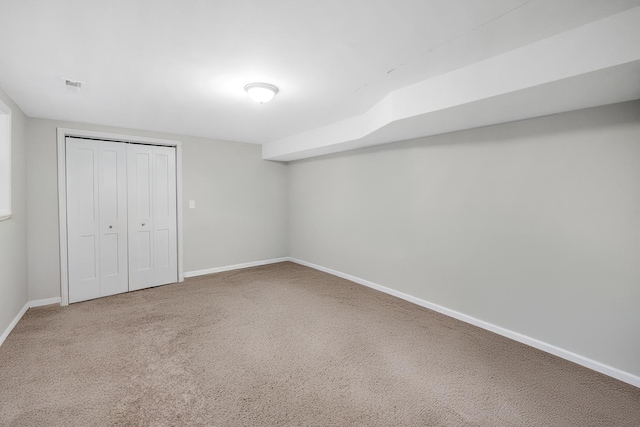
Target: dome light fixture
(261, 92)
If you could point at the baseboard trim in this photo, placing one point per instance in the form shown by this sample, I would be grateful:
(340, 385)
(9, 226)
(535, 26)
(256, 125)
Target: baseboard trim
(13, 323)
(234, 267)
(540, 345)
(56, 300)
(28, 305)
(42, 302)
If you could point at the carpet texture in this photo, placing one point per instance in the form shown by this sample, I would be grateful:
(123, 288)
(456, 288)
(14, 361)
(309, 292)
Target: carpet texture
(286, 345)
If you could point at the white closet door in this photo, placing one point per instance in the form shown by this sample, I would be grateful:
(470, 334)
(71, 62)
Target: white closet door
(112, 193)
(165, 243)
(152, 216)
(96, 217)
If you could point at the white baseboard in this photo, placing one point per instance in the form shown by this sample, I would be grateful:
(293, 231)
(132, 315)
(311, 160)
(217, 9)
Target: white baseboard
(234, 267)
(557, 351)
(41, 302)
(540, 345)
(28, 305)
(13, 323)
(56, 300)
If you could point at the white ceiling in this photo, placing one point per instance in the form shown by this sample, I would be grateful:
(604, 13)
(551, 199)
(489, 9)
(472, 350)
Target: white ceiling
(180, 66)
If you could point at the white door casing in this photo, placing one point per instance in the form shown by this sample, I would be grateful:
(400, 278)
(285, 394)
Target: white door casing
(105, 224)
(62, 134)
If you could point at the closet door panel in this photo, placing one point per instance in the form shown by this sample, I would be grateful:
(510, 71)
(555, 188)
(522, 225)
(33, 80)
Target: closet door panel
(164, 215)
(83, 222)
(140, 179)
(121, 214)
(153, 251)
(113, 218)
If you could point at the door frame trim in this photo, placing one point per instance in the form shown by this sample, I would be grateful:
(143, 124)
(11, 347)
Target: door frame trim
(62, 134)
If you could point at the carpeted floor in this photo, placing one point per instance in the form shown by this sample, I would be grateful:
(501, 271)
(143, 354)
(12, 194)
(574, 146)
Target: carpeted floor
(286, 345)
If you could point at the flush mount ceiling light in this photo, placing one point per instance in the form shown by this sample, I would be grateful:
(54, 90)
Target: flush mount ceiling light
(261, 92)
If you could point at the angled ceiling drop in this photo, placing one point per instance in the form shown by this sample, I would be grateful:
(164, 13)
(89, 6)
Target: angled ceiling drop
(588, 66)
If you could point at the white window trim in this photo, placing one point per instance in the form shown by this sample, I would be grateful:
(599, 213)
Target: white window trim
(62, 194)
(5, 162)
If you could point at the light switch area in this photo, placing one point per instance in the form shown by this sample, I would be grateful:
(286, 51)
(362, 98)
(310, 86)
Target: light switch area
(192, 204)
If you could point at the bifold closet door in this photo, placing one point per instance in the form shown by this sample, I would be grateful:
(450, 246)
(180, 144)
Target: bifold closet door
(153, 245)
(96, 218)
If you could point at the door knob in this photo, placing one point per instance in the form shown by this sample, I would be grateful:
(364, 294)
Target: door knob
(111, 226)
(143, 224)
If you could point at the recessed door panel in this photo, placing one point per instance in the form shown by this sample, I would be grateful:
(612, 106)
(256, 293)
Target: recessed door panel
(84, 173)
(162, 185)
(162, 249)
(86, 267)
(143, 184)
(109, 244)
(144, 250)
(108, 183)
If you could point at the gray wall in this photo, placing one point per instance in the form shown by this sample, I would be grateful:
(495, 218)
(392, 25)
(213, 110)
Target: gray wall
(533, 226)
(13, 232)
(240, 213)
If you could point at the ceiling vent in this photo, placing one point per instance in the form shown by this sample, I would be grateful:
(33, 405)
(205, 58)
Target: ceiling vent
(73, 85)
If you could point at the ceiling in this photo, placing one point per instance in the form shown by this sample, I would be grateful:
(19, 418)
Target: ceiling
(180, 66)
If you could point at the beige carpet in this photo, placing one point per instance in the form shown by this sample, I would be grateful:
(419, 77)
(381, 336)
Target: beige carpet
(286, 345)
